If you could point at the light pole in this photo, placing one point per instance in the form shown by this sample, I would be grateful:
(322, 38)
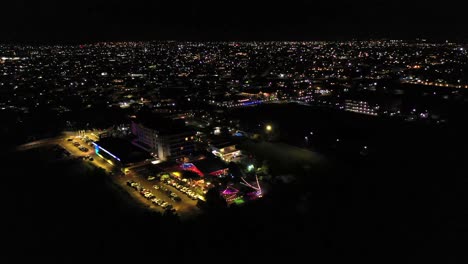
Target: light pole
(268, 131)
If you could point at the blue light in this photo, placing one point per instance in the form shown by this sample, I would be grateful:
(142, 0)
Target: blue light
(251, 103)
(187, 165)
(97, 148)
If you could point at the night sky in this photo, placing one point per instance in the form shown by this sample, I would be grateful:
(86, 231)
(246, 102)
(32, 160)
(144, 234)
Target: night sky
(85, 20)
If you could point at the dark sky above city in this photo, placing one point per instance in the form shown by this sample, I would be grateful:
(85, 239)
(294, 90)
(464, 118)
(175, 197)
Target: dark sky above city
(96, 20)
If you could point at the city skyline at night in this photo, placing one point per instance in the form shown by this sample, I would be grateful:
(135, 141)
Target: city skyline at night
(325, 131)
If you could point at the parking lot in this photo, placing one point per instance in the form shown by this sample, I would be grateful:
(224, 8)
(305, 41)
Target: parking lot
(156, 195)
(77, 147)
(161, 195)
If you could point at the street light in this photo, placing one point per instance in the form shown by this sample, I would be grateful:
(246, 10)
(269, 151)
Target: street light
(268, 128)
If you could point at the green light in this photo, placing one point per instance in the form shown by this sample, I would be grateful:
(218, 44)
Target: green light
(239, 201)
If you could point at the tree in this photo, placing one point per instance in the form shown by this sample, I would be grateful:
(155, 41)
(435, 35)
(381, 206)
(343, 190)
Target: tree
(190, 175)
(169, 214)
(214, 199)
(265, 168)
(234, 170)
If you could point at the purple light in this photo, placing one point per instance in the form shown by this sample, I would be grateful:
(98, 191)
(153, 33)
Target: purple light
(230, 190)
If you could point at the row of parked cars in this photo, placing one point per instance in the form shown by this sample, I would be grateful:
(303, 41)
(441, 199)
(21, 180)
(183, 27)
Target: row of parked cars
(150, 196)
(88, 157)
(88, 141)
(84, 149)
(172, 195)
(76, 144)
(190, 193)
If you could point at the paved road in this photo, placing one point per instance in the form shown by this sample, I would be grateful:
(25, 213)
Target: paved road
(118, 175)
(68, 145)
(39, 143)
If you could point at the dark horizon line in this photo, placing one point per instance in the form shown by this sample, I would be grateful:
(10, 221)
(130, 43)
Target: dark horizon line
(331, 39)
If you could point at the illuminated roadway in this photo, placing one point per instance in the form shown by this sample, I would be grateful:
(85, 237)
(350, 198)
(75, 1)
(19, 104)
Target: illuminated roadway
(185, 208)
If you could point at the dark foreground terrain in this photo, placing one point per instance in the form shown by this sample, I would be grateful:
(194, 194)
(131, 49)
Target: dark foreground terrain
(406, 200)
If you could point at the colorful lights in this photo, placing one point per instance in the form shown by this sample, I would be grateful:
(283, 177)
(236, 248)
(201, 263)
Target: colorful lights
(218, 172)
(229, 191)
(239, 201)
(98, 148)
(191, 167)
(187, 166)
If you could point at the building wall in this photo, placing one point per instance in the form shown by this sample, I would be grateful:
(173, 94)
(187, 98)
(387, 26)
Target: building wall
(165, 146)
(177, 145)
(144, 135)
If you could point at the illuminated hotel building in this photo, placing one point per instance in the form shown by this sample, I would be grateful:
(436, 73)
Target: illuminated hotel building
(167, 140)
